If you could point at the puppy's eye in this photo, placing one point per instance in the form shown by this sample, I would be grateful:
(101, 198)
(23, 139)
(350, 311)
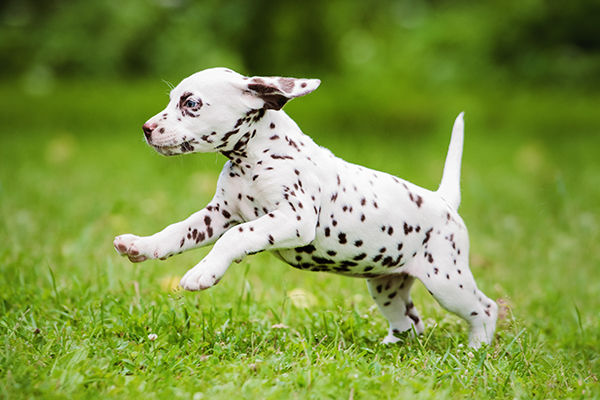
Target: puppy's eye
(191, 103)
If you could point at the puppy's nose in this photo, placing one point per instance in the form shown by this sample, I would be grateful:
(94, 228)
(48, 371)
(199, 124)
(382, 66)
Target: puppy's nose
(148, 129)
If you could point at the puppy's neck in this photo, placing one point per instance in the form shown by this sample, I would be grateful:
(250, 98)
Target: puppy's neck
(263, 132)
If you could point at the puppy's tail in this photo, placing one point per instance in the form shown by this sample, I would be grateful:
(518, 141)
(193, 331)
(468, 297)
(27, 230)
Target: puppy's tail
(449, 188)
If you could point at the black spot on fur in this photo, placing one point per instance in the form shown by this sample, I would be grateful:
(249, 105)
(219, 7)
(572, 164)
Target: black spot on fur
(229, 134)
(281, 157)
(419, 201)
(306, 249)
(321, 260)
(394, 263)
(427, 236)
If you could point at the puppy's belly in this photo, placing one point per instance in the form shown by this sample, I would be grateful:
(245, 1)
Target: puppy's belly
(362, 264)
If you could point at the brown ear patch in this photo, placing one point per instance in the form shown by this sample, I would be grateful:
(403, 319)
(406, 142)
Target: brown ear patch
(271, 95)
(262, 88)
(274, 102)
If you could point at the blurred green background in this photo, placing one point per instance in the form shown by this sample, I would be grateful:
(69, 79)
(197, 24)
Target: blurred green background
(432, 43)
(78, 79)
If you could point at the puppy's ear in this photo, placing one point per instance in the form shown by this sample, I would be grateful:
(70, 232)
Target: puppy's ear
(275, 92)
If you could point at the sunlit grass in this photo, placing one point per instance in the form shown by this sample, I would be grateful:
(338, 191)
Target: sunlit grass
(75, 318)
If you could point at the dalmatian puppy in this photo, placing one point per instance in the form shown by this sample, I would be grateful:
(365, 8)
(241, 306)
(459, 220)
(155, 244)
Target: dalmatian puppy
(280, 192)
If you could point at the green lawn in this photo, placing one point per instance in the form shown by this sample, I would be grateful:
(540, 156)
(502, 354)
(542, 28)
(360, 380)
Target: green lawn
(75, 318)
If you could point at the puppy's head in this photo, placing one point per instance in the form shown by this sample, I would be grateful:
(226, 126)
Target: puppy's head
(209, 109)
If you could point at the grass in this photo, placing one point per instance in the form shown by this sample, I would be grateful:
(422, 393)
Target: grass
(76, 319)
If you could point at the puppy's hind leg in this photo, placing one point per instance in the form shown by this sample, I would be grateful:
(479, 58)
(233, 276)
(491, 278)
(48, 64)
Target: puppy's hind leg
(451, 283)
(392, 296)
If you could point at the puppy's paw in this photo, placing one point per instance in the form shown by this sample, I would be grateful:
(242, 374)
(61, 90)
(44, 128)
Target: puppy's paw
(199, 278)
(390, 339)
(135, 248)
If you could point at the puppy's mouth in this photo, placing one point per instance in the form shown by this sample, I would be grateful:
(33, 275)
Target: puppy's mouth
(187, 146)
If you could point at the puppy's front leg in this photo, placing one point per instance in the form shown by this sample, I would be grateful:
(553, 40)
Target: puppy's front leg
(200, 229)
(276, 230)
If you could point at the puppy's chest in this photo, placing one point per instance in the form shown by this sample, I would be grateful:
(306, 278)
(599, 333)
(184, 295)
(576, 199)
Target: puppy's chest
(250, 202)
(279, 180)
(256, 190)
